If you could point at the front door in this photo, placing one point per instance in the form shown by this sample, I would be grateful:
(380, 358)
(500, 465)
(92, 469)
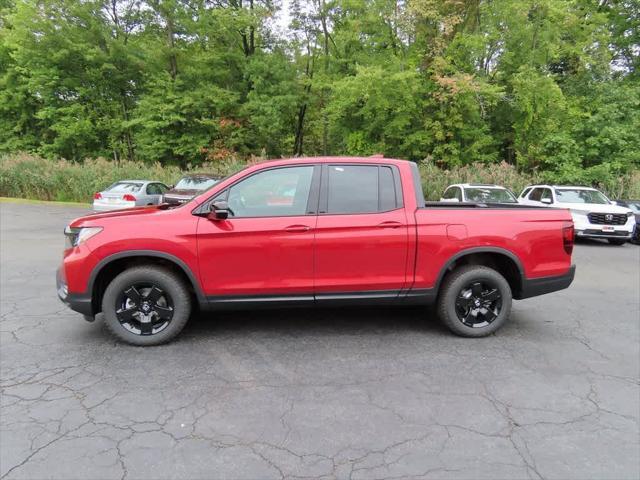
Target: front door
(265, 247)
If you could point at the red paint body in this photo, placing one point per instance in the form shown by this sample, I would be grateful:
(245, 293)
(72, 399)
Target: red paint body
(402, 249)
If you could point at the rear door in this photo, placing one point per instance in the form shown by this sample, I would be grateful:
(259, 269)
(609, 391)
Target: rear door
(361, 240)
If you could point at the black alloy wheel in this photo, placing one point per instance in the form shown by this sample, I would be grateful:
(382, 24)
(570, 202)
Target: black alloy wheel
(478, 304)
(144, 309)
(146, 305)
(474, 301)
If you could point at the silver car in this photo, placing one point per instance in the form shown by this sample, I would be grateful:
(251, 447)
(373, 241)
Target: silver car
(128, 194)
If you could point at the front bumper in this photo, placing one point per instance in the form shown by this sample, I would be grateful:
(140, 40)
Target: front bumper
(585, 229)
(176, 200)
(539, 286)
(77, 302)
(594, 233)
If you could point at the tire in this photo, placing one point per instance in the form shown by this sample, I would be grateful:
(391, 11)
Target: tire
(616, 241)
(456, 302)
(159, 293)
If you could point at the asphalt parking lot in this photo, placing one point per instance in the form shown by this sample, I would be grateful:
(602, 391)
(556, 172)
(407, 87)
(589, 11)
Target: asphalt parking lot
(326, 393)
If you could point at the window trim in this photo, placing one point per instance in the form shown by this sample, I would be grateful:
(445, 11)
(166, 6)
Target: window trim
(204, 208)
(323, 204)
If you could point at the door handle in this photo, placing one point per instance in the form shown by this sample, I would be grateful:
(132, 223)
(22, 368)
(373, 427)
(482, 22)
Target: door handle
(390, 224)
(297, 228)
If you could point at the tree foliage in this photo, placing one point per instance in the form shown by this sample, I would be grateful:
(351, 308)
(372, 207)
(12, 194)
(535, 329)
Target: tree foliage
(547, 85)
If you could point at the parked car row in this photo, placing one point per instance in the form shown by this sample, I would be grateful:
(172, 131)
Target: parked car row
(138, 193)
(594, 215)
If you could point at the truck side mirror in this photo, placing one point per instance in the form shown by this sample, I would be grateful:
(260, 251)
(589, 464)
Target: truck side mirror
(546, 201)
(219, 210)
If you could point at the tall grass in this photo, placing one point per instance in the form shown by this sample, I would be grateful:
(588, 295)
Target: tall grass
(29, 176)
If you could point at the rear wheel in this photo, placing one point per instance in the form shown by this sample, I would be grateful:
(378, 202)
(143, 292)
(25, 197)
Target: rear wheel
(146, 305)
(475, 301)
(616, 241)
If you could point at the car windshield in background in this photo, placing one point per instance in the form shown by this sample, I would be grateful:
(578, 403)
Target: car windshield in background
(577, 195)
(489, 195)
(195, 183)
(634, 206)
(124, 187)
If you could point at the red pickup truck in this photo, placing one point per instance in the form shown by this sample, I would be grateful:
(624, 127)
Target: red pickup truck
(312, 231)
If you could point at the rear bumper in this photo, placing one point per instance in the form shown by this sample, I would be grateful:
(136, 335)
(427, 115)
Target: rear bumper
(539, 286)
(108, 207)
(77, 302)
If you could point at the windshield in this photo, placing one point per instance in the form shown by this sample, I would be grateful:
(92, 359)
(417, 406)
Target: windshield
(579, 195)
(634, 206)
(489, 195)
(195, 183)
(124, 187)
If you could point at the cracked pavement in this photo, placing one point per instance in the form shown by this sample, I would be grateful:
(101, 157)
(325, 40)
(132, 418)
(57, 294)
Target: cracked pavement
(350, 393)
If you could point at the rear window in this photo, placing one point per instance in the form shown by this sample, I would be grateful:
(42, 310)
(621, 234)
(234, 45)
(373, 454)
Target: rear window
(195, 183)
(353, 189)
(124, 187)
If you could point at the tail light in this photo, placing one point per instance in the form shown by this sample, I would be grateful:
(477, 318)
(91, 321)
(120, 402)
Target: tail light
(568, 237)
(127, 197)
(97, 196)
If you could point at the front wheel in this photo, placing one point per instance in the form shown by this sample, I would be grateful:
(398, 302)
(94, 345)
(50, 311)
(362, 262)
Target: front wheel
(616, 241)
(146, 305)
(475, 301)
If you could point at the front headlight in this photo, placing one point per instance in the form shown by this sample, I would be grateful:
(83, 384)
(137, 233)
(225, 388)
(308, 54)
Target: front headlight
(74, 236)
(629, 214)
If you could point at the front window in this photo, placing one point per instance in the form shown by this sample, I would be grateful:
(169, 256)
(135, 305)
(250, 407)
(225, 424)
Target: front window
(272, 193)
(489, 195)
(195, 183)
(579, 195)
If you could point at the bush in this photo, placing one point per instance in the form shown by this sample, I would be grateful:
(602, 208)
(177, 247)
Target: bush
(29, 176)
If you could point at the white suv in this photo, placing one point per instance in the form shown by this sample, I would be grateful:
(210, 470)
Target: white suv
(594, 215)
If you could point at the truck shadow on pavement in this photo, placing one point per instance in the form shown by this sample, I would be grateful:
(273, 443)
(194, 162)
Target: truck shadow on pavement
(310, 321)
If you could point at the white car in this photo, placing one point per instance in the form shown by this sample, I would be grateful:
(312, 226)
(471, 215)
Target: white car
(594, 215)
(478, 192)
(129, 194)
